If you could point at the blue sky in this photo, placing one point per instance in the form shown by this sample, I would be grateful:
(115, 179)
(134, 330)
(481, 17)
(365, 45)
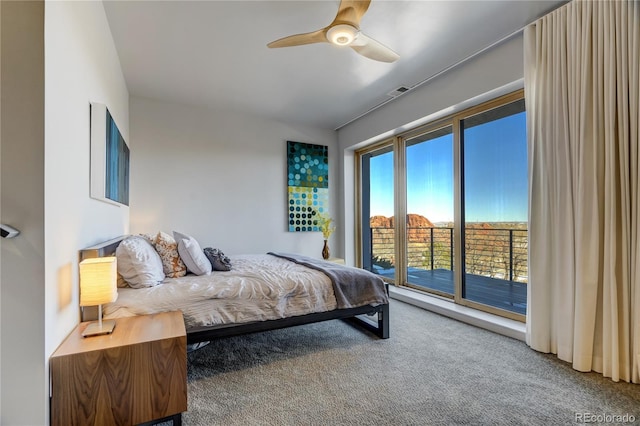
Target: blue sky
(495, 175)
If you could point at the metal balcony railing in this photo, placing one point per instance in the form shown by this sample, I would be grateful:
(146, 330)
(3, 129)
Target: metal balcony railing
(490, 252)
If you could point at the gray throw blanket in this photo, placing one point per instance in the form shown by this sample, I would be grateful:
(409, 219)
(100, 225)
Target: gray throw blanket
(353, 287)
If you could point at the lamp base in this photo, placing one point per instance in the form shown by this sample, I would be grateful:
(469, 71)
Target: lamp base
(94, 328)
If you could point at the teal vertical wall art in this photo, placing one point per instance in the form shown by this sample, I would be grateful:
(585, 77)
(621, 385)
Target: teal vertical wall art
(307, 185)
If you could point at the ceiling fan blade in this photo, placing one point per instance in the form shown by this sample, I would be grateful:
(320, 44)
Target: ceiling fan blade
(351, 12)
(300, 39)
(368, 47)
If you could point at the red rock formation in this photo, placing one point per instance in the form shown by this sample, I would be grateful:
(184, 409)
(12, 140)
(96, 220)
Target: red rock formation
(381, 222)
(413, 221)
(417, 221)
(415, 225)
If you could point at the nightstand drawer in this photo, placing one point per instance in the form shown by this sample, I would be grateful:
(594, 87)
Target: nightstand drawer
(134, 375)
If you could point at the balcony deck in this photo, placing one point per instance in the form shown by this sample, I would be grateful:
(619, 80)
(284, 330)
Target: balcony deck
(503, 294)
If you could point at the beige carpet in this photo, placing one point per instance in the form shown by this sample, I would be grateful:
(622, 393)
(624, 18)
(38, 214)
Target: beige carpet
(433, 370)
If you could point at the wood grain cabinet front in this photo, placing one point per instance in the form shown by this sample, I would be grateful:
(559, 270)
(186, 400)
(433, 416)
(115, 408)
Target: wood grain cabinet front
(135, 375)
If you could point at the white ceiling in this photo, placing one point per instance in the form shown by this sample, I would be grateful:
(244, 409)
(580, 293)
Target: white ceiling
(214, 54)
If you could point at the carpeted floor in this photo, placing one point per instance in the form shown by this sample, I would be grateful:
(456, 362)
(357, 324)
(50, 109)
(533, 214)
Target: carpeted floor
(433, 370)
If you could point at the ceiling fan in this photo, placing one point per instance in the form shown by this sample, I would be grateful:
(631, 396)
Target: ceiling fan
(344, 31)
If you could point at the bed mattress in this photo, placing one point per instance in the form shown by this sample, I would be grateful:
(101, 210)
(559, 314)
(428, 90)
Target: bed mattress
(259, 287)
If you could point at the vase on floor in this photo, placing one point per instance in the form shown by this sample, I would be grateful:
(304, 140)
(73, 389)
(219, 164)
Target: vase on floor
(325, 250)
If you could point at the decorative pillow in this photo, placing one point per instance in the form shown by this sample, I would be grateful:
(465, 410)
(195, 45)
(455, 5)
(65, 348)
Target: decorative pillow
(219, 262)
(139, 263)
(121, 283)
(192, 255)
(149, 237)
(167, 248)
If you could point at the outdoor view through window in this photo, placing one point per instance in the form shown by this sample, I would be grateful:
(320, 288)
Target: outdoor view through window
(493, 201)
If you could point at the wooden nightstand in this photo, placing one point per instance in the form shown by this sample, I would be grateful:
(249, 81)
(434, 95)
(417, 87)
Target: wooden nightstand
(336, 260)
(135, 375)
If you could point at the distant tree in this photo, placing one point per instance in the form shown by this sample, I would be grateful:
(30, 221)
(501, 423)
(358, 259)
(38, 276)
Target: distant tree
(441, 256)
(520, 256)
(472, 254)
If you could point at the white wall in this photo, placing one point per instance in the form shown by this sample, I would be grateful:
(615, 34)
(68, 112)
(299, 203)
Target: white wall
(81, 66)
(47, 194)
(22, 368)
(220, 176)
(493, 73)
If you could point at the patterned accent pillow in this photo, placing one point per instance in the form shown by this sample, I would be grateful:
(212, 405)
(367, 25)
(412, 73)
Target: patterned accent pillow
(149, 237)
(219, 262)
(167, 248)
(121, 282)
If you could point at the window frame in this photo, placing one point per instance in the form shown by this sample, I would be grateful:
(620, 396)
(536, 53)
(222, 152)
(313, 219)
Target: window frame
(399, 144)
(359, 155)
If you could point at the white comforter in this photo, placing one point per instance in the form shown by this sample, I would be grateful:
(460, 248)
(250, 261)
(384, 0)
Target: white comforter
(258, 288)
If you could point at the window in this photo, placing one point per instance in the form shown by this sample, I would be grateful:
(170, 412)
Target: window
(377, 218)
(461, 186)
(495, 207)
(429, 227)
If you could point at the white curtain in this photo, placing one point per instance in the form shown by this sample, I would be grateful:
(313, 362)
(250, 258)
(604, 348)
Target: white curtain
(582, 86)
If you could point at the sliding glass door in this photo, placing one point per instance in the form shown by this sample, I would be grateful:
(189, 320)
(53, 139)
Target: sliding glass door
(429, 226)
(459, 186)
(495, 207)
(377, 212)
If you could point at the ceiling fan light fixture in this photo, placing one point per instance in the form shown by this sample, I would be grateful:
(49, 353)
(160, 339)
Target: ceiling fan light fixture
(343, 31)
(342, 35)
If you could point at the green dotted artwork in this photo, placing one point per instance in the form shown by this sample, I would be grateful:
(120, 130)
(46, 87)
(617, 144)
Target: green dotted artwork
(308, 185)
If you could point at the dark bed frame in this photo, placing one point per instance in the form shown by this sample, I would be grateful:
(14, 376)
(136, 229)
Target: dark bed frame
(359, 315)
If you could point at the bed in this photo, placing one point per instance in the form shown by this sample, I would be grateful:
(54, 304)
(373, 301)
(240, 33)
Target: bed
(261, 292)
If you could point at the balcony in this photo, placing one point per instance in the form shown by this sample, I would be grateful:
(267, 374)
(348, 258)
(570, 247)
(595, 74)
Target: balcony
(495, 262)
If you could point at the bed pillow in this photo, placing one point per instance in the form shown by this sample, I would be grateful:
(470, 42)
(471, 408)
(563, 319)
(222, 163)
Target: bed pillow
(139, 263)
(121, 282)
(219, 262)
(192, 255)
(167, 248)
(149, 237)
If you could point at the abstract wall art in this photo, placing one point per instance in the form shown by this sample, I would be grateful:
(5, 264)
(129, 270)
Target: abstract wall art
(109, 158)
(307, 185)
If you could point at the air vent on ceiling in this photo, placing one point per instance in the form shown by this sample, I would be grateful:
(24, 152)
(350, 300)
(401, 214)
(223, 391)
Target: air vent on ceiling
(397, 92)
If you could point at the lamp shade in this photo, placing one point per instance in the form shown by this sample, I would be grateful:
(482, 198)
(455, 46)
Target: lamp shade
(98, 281)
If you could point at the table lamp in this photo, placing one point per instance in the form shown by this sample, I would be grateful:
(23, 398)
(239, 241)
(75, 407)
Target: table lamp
(98, 285)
